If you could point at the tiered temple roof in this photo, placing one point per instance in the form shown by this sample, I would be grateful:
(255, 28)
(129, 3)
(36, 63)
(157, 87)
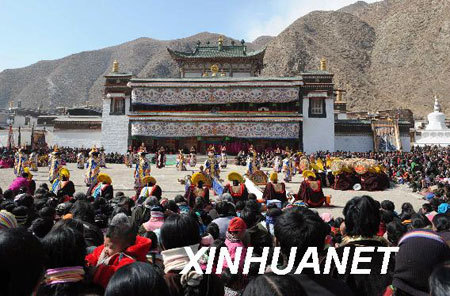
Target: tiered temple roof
(217, 51)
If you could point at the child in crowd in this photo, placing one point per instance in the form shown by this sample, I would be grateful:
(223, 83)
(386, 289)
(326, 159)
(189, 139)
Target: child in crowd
(122, 246)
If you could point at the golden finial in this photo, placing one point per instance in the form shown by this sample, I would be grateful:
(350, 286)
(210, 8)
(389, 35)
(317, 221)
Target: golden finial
(323, 64)
(220, 42)
(205, 74)
(115, 68)
(339, 95)
(214, 70)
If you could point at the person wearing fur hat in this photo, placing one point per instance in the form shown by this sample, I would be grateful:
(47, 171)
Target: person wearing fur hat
(275, 189)
(237, 187)
(310, 190)
(197, 189)
(103, 188)
(150, 188)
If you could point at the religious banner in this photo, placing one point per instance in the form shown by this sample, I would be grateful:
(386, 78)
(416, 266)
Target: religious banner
(213, 95)
(259, 130)
(386, 135)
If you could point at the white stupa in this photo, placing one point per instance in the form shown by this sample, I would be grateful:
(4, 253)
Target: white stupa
(436, 132)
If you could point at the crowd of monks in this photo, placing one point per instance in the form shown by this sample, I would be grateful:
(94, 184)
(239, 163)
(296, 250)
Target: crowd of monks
(340, 174)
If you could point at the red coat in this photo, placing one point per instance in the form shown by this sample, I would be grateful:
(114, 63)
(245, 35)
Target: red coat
(103, 272)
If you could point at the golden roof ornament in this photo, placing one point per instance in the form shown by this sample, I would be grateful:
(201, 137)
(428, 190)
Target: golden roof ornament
(339, 95)
(323, 64)
(205, 74)
(220, 42)
(214, 70)
(115, 68)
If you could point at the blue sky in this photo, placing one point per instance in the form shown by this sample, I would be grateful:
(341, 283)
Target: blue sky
(33, 30)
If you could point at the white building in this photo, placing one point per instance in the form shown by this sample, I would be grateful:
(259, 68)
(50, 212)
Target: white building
(436, 132)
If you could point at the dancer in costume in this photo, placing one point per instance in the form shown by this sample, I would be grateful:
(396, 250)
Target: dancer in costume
(211, 165)
(93, 168)
(34, 161)
(181, 161)
(278, 161)
(310, 190)
(274, 189)
(150, 189)
(142, 169)
(20, 159)
(55, 165)
(128, 158)
(80, 160)
(251, 161)
(103, 187)
(193, 157)
(287, 167)
(102, 158)
(237, 187)
(161, 158)
(197, 189)
(223, 157)
(63, 187)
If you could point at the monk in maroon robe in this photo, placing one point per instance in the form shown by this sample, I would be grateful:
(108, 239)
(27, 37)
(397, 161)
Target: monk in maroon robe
(275, 190)
(311, 192)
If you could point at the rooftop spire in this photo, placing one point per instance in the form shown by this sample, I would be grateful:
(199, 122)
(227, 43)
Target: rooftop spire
(323, 64)
(115, 68)
(220, 42)
(437, 106)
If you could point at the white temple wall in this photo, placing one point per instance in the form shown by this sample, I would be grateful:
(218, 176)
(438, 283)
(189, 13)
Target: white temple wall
(81, 138)
(114, 135)
(354, 142)
(318, 133)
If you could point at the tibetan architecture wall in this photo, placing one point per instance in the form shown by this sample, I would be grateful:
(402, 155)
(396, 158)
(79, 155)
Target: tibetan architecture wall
(115, 128)
(318, 132)
(77, 138)
(253, 130)
(362, 142)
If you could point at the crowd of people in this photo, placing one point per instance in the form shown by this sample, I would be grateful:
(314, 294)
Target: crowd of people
(78, 244)
(56, 241)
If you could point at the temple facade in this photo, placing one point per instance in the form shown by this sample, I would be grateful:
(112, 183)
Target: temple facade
(219, 99)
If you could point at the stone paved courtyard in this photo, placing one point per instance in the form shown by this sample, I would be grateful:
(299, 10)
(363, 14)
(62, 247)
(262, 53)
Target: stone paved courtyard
(168, 177)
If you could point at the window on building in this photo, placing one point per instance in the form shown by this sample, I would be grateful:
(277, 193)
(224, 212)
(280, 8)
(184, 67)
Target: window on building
(317, 107)
(117, 106)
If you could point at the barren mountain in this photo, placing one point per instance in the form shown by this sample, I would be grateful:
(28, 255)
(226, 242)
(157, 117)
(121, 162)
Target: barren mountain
(388, 54)
(79, 77)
